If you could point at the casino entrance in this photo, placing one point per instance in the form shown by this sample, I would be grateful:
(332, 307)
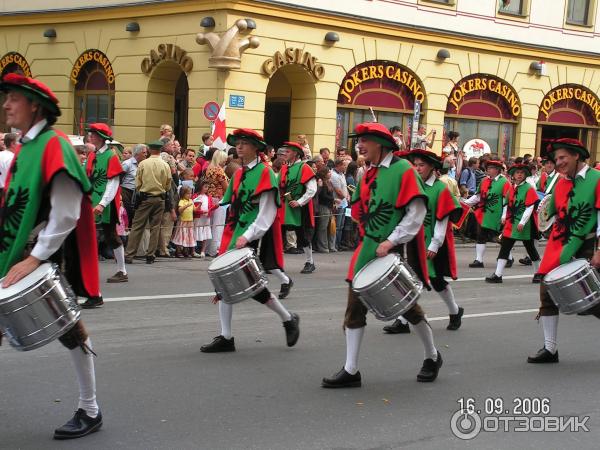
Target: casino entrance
(167, 102)
(569, 111)
(290, 105)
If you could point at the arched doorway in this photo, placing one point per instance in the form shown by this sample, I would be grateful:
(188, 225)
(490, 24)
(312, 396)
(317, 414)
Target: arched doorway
(12, 62)
(290, 105)
(167, 102)
(94, 82)
(569, 111)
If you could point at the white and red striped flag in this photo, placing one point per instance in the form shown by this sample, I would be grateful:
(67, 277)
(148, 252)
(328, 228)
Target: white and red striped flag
(220, 130)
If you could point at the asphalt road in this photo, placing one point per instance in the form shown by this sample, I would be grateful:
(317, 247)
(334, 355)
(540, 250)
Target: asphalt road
(156, 390)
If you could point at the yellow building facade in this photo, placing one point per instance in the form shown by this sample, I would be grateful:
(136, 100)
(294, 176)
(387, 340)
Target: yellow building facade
(138, 67)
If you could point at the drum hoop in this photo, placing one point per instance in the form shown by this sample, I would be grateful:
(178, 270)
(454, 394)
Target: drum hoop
(572, 274)
(56, 283)
(370, 285)
(228, 270)
(252, 253)
(49, 275)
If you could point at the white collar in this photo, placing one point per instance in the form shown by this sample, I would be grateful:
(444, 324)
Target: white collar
(102, 149)
(496, 178)
(429, 181)
(385, 162)
(298, 161)
(583, 171)
(522, 182)
(251, 164)
(34, 131)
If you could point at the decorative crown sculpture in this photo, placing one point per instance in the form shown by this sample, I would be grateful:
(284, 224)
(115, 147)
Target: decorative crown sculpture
(227, 49)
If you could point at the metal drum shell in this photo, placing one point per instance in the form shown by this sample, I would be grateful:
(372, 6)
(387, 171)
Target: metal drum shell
(392, 294)
(240, 280)
(41, 313)
(577, 292)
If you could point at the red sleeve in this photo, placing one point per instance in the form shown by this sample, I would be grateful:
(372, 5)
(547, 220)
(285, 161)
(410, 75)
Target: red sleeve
(114, 168)
(307, 174)
(531, 198)
(447, 206)
(283, 175)
(89, 163)
(409, 188)
(53, 160)
(506, 188)
(266, 182)
(196, 169)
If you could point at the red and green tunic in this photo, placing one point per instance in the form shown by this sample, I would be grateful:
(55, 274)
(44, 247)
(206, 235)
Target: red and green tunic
(575, 203)
(441, 204)
(100, 168)
(518, 199)
(293, 179)
(243, 194)
(546, 181)
(378, 205)
(488, 211)
(25, 203)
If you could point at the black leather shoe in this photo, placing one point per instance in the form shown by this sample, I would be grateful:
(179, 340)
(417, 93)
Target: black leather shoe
(456, 320)
(397, 328)
(525, 261)
(285, 289)
(218, 345)
(150, 259)
(128, 260)
(509, 263)
(537, 278)
(93, 302)
(80, 425)
(430, 369)
(308, 268)
(292, 330)
(342, 379)
(477, 264)
(493, 279)
(543, 356)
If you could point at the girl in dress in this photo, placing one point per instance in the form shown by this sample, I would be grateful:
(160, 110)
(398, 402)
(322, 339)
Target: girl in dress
(184, 233)
(202, 210)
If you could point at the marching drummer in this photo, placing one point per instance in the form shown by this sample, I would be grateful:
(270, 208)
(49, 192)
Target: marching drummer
(488, 203)
(297, 187)
(389, 206)
(47, 184)
(442, 208)
(519, 222)
(252, 217)
(576, 205)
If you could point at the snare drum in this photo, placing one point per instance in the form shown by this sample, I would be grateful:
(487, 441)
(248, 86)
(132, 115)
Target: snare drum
(38, 309)
(387, 286)
(574, 286)
(237, 275)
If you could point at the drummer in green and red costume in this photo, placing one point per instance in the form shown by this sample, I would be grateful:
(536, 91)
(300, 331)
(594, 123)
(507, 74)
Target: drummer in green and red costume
(252, 219)
(488, 203)
(297, 187)
(104, 169)
(520, 222)
(576, 205)
(390, 206)
(46, 183)
(443, 209)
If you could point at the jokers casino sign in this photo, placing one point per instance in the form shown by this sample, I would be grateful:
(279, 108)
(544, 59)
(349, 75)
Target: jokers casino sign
(570, 93)
(485, 87)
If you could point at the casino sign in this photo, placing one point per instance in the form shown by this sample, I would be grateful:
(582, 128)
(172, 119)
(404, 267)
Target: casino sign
(14, 62)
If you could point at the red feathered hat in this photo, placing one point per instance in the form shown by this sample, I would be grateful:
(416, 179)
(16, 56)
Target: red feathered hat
(33, 89)
(246, 133)
(101, 129)
(568, 144)
(494, 162)
(295, 146)
(426, 155)
(523, 167)
(376, 132)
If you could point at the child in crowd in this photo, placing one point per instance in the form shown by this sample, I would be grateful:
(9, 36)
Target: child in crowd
(123, 224)
(202, 210)
(184, 232)
(186, 179)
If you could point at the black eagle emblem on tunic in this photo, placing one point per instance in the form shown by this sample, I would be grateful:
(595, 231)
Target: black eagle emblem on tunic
(240, 205)
(515, 210)
(572, 221)
(377, 216)
(12, 215)
(491, 201)
(97, 180)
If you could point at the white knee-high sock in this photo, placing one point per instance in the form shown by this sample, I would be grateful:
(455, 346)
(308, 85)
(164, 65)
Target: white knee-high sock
(550, 327)
(500, 266)
(448, 297)
(426, 335)
(308, 254)
(120, 258)
(510, 256)
(353, 339)
(536, 266)
(281, 276)
(479, 251)
(275, 305)
(86, 377)
(225, 313)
